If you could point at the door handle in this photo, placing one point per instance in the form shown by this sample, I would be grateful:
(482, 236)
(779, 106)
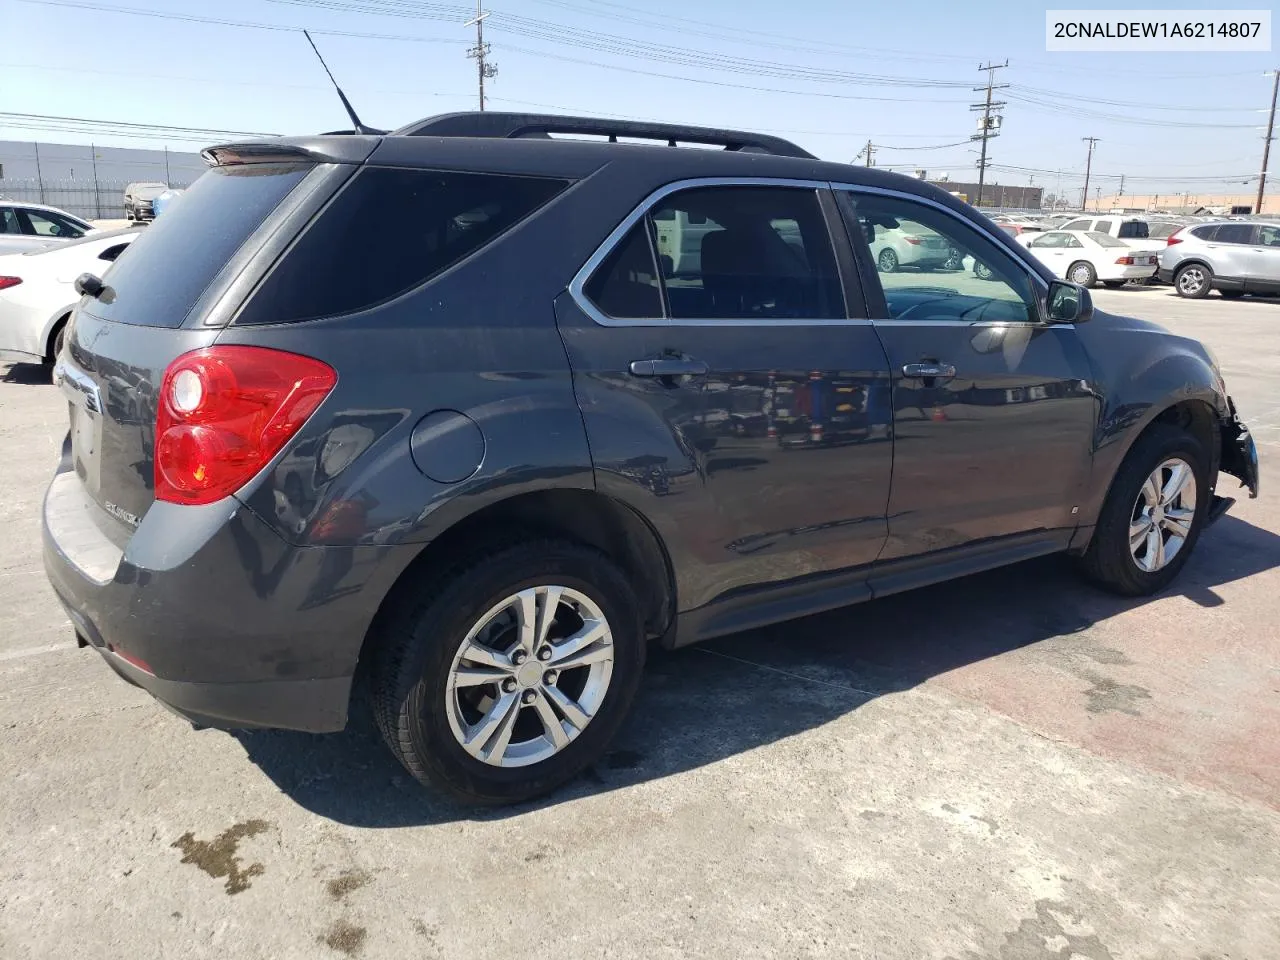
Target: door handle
(669, 367)
(929, 370)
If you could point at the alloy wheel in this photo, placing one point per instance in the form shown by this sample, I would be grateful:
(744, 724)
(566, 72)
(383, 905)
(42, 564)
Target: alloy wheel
(1191, 280)
(529, 677)
(1162, 515)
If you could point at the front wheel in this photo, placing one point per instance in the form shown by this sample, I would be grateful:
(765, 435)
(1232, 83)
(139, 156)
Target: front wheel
(1193, 281)
(513, 674)
(1083, 274)
(1153, 514)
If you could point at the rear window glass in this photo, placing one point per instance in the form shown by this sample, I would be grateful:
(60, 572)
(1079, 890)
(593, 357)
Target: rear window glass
(1103, 239)
(1160, 231)
(179, 255)
(1205, 233)
(388, 231)
(1134, 230)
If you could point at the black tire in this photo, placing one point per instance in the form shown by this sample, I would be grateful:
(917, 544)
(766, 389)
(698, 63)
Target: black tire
(1082, 272)
(58, 339)
(1193, 281)
(887, 261)
(1114, 284)
(1108, 562)
(1231, 294)
(416, 643)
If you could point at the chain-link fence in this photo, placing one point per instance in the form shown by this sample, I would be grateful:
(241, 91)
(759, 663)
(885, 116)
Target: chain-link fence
(87, 199)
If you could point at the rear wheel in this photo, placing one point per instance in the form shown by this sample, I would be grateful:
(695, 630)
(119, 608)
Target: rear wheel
(982, 271)
(1153, 514)
(1193, 281)
(59, 338)
(513, 674)
(1082, 273)
(887, 262)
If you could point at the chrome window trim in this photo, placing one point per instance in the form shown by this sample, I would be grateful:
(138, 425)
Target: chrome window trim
(577, 286)
(1038, 282)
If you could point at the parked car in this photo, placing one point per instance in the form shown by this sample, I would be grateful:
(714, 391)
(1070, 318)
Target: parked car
(37, 293)
(1018, 229)
(1233, 257)
(29, 226)
(1131, 231)
(1088, 257)
(138, 199)
(910, 245)
(552, 475)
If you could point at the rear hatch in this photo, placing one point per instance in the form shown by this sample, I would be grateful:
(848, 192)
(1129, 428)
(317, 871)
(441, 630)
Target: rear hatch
(169, 293)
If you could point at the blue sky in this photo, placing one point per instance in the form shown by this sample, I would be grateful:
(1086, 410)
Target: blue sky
(904, 77)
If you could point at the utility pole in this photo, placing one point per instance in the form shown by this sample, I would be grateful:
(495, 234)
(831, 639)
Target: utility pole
(97, 193)
(1088, 168)
(1266, 144)
(1121, 193)
(986, 107)
(867, 153)
(1097, 199)
(166, 166)
(480, 52)
(39, 173)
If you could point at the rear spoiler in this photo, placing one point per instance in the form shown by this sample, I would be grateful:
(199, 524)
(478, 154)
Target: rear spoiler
(318, 149)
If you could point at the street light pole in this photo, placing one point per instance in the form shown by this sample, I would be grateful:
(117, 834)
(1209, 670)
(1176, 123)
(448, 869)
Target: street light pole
(1266, 144)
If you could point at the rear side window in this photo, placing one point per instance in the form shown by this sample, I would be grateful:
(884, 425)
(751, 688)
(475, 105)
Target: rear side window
(179, 255)
(1134, 230)
(386, 232)
(1104, 226)
(1204, 233)
(1234, 233)
(626, 285)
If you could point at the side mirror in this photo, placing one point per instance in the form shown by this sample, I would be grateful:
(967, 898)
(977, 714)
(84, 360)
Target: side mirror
(1069, 303)
(87, 285)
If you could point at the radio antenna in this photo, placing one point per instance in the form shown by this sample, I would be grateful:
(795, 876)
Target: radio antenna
(357, 126)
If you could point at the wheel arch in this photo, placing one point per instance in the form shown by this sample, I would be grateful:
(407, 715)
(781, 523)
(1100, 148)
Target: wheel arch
(59, 320)
(583, 516)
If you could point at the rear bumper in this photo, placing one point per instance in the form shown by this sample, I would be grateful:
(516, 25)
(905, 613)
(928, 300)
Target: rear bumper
(211, 612)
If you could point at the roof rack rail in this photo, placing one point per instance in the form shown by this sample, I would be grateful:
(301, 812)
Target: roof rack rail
(541, 125)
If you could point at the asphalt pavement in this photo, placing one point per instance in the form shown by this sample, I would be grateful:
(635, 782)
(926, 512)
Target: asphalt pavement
(1013, 766)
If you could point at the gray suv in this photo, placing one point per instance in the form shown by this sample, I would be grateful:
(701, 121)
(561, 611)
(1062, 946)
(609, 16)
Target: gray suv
(479, 414)
(1234, 258)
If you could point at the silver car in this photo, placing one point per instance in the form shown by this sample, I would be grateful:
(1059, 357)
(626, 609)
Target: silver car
(1234, 257)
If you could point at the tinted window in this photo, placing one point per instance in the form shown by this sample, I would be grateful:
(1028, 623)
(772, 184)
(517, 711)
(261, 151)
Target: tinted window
(175, 259)
(626, 284)
(1234, 233)
(387, 232)
(9, 221)
(990, 285)
(111, 253)
(1204, 233)
(1133, 229)
(47, 224)
(746, 253)
(1103, 226)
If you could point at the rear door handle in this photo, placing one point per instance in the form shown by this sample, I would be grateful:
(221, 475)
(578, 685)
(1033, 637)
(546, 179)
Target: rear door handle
(929, 370)
(669, 367)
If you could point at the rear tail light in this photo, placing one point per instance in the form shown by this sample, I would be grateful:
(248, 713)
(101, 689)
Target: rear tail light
(911, 240)
(7, 282)
(224, 412)
(1125, 261)
(1173, 238)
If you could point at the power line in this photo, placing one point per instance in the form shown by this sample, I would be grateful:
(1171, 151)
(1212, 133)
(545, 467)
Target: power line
(134, 125)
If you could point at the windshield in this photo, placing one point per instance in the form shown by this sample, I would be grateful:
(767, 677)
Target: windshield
(180, 254)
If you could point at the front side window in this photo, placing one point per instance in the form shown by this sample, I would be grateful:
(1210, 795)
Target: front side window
(388, 231)
(1269, 236)
(1051, 240)
(973, 280)
(45, 223)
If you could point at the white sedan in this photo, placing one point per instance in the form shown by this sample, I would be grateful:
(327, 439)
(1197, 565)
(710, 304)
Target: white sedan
(1087, 257)
(37, 292)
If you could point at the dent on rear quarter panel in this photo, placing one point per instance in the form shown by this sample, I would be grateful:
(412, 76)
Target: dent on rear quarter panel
(1140, 370)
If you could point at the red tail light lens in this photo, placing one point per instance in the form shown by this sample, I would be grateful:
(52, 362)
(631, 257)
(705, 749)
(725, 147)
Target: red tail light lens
(1125, 261)
(911, 240)
(224, 412)
(1173, 238)
(7, 282)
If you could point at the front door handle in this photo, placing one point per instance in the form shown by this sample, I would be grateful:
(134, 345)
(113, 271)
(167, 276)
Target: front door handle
(669, 367)
(929, 370)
